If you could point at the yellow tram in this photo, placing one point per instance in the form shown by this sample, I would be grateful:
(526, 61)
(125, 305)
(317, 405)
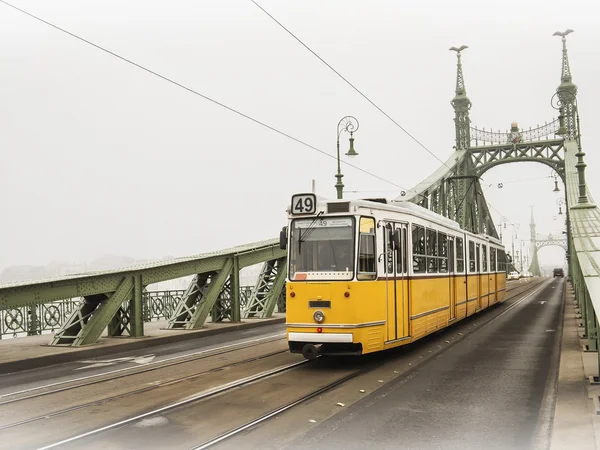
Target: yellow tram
(368, 275)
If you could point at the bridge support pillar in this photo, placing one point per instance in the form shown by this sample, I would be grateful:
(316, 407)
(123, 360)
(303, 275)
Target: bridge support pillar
(137, 307)
(236, 314)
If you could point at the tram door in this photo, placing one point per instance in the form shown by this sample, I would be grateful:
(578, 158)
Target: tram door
(396, 280)
(478, 270)
(451, 278)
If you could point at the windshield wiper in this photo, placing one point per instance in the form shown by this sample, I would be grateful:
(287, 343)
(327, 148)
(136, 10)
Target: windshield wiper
(309, 230)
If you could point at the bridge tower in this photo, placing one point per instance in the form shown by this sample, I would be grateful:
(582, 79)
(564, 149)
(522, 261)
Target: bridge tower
(534, 268)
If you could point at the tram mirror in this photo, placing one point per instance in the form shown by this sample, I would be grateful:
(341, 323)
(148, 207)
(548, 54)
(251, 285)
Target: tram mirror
(283, 238)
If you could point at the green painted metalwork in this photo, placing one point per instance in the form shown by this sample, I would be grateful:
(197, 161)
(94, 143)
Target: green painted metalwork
(350, 125)
(268, 289)
(215, 287)
(235, 291)
(114, 299)
(137, 307)
(87, 322)
(537, 244)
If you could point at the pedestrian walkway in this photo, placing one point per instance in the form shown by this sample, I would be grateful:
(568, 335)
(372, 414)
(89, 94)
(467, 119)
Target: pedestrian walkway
(576, 423)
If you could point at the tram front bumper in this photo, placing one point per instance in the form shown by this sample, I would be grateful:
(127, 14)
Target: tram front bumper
(313, 344)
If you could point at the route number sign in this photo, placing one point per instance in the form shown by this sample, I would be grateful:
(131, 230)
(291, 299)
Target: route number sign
(304, 204)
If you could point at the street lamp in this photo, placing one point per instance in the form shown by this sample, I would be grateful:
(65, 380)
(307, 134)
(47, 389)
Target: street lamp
(555, 175)
(515, 226)
(565, 101)
(560, 202)
(350, 125)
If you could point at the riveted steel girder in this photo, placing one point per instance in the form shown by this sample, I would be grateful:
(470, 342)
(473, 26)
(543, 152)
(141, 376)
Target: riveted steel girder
(115, 297)
(207, 301)
(86, 324)
(268, 289)
(15, 295)
(192, 298)
(549, 152)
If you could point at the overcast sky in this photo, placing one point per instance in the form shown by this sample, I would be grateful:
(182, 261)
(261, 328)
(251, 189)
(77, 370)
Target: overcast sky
(99, 157)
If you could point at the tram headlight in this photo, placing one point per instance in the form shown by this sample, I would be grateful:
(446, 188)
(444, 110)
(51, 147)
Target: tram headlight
(319, 316)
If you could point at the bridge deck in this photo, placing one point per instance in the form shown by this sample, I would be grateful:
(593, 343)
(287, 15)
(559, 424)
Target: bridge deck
(33, 352)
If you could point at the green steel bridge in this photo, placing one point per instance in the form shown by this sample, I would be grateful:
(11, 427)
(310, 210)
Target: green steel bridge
(80, 308)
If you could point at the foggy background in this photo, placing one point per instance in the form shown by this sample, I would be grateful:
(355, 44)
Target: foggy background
(103, 164)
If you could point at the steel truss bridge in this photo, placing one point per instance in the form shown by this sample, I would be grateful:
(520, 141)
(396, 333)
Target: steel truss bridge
(117, 301)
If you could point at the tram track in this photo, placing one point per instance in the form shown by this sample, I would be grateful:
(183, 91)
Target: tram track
(153, 386)
(202, 400)
(66, 385)
(274, 412)
(193, 406)
(195, 398)
(523, 291)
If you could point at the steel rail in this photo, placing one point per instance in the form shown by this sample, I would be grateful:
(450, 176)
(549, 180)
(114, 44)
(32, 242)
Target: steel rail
(135, 370)
(147, 388)
(527, 292)
(195, 398)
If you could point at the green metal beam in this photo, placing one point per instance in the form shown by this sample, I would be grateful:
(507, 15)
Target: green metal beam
(30, 293)
(276, 288)
(208, 300)
(236, 311)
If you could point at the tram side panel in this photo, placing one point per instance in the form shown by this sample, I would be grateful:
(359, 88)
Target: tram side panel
(461, 297)
(429, 305)
(501, 286)
(484, 290)
(472, 293)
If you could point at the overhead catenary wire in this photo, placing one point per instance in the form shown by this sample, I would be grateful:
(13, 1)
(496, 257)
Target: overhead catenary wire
(287, 30)
(350, 84)
(206, 97)
(235, 111)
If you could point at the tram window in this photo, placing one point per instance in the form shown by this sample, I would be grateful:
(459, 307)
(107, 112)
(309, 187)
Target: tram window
(401, 268)
(478, 258)
(492, 259)
(418, 240)
(432, 251)
(366, 249)
(484, 256)
(501, 261)
(460, 255)
(471, 256)
(443, 252)
(389, 254)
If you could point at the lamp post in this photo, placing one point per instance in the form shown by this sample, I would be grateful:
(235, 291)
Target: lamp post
(560, 202)
(515, 226)
(563, 100)
(350, 125)
(555, 175)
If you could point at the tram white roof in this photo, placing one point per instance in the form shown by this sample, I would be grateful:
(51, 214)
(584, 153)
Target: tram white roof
(407, 208)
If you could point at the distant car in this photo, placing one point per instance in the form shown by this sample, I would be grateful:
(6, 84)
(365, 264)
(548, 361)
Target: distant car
(513, 276)
(527, 275)
(559, 273)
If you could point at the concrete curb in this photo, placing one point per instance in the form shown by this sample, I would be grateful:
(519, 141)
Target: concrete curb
(96, 350)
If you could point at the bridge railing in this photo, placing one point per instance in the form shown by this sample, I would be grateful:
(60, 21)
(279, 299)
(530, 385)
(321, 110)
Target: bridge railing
(583, 248)
(50, 317)
(81, 307)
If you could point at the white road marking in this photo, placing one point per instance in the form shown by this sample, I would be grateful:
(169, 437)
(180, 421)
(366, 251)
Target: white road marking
(146, 359)
(200, 396)
(238, 344)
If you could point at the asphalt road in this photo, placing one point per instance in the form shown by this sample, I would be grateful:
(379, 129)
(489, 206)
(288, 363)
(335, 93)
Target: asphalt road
(60, 373)
(494, 390)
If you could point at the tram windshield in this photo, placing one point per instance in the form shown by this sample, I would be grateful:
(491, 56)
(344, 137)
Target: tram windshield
(322, 249)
